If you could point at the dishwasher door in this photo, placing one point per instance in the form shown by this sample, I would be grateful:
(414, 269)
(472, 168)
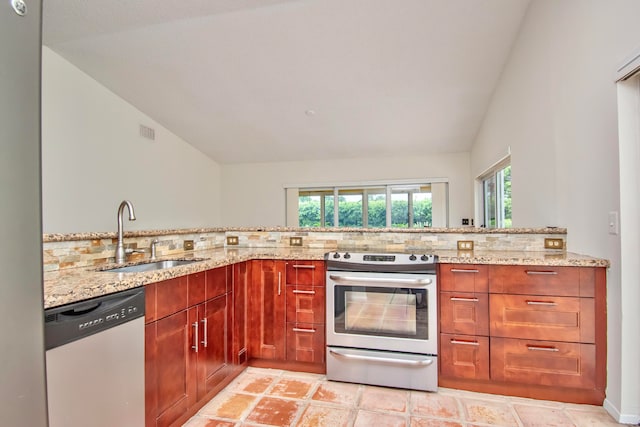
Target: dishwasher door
(97, 378)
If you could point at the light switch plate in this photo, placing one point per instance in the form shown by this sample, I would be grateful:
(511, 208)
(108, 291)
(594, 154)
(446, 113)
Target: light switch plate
(465, 245)
(188, 245)
(613, 223)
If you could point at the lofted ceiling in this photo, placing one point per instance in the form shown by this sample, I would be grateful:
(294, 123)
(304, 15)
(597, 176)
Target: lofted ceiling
(286, 80)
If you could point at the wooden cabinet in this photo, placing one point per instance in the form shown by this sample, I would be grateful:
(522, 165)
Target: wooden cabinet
(287, 313)
(241, 278)
(188, 342)
(529, 331)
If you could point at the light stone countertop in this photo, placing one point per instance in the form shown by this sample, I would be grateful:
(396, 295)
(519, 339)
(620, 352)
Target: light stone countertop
(77, 284)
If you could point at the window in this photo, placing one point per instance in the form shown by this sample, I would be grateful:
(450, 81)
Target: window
(496, 191)
(376, 206)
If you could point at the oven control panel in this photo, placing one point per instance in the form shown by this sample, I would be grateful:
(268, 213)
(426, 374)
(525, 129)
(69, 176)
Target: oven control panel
(369, 261)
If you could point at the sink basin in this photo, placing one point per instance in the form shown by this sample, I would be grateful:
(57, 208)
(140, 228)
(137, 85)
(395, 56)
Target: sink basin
(151, 266)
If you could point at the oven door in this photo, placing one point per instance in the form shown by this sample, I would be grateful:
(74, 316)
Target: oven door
(382, 311)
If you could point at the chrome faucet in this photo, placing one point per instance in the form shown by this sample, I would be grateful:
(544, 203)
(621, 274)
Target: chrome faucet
(120, 252)
(153, 249)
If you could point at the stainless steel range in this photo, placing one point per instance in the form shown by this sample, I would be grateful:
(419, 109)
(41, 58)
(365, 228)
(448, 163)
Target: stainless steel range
(382, 319)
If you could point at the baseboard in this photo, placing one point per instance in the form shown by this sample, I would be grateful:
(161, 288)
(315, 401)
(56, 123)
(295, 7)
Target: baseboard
(632, 419)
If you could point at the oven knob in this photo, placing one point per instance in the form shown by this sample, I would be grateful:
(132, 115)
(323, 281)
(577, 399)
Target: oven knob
(346, 255)
(413, 257)
(424, 258)
(336, 255)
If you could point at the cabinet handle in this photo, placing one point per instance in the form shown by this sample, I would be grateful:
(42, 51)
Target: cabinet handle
(204, 332)
(464, 299)
(464, 270)
(279, 282)
(195, 336)
(303, 330)
(548, 303)
(548, 273)
(297, 291)
(537, 348)
(310, 267)
(474, 343)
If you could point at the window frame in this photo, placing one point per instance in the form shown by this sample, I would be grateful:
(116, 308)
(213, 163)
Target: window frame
(496, 174)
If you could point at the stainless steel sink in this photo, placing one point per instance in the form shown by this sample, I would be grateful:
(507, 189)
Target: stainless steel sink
(151, 266)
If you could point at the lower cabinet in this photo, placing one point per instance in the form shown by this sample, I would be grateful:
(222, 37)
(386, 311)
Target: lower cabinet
(188, 345)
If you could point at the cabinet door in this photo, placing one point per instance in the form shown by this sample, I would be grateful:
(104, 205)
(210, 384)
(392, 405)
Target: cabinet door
(549, 363)
(463, 277)
(241, 273)
(464, 313)
(305, 342)
(169, 377)
(305, 304)
(211, 359)
(267, 309)
(464, 356)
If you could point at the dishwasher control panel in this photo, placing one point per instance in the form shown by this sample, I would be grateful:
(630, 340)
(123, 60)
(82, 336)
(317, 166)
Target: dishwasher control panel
(71, 322)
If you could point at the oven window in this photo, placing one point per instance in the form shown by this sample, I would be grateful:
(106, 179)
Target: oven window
(390, 312)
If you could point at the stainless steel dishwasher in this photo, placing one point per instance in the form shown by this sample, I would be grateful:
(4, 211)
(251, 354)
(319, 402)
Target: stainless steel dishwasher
(95, 361)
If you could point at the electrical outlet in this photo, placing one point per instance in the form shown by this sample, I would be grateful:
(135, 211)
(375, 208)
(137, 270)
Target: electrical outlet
(295, 241)
(465, 221)
(188, 245)
(550, 243)
(465, 245)
(232, 240)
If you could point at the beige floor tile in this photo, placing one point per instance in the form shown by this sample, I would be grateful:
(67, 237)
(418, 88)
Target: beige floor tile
(207, 422)
(229, 405)
(592, 418)
(325, 416)
(377, 419)
(345, 394)
(488, 412)
(292, 388)
(430, 422)
(539, 416)
(434, 405)
(384, 399)
(253, 382)
(274, 412)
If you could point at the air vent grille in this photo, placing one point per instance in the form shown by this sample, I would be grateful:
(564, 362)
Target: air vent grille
(147, 132)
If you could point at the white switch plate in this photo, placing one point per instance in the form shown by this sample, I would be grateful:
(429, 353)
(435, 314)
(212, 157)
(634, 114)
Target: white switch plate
(613, 223)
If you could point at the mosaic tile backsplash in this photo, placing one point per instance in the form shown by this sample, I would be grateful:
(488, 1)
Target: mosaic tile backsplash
(62, 251)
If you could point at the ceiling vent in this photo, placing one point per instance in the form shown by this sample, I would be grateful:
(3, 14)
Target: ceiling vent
(147, 132)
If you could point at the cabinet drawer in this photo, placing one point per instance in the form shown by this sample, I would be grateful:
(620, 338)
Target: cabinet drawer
(305, 273)
(535, 280)
(463, 277)
(464, 356)
(543, 362)
(543, 318)
(305, 304)
(171, 296)
(464, 313)
(305, 342)
(217, 282)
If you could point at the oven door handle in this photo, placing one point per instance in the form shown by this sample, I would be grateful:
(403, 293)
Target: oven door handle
(422, 362)
(379, 280)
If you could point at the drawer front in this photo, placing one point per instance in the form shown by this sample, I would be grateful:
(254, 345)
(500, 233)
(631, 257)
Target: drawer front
(464, 356)
(217, 282)
(305, 342)
(305, 273)
(305, 304)
(543, 362)
(535, 280)
(464, 313)
(463, 277)
(171, 296)
(542, 318)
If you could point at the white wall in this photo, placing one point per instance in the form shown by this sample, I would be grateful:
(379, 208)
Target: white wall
(254, 195)
(93, 158)
(555, 106)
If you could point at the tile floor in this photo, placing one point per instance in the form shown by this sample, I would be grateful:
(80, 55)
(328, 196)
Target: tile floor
(270, 397)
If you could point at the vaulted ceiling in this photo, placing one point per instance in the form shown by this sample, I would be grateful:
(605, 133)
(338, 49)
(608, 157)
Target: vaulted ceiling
(283, 80)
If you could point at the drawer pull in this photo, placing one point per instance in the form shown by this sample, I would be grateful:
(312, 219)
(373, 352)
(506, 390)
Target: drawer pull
(464, 270)
(537, 348)
(548, 303)
(312, 331)
(464, 299)
(474, 343)
(279, 283)
(310, 267)
(547, 273)
(297, 291)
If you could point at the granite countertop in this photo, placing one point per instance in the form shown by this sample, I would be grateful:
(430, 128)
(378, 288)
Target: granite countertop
(77, 284)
